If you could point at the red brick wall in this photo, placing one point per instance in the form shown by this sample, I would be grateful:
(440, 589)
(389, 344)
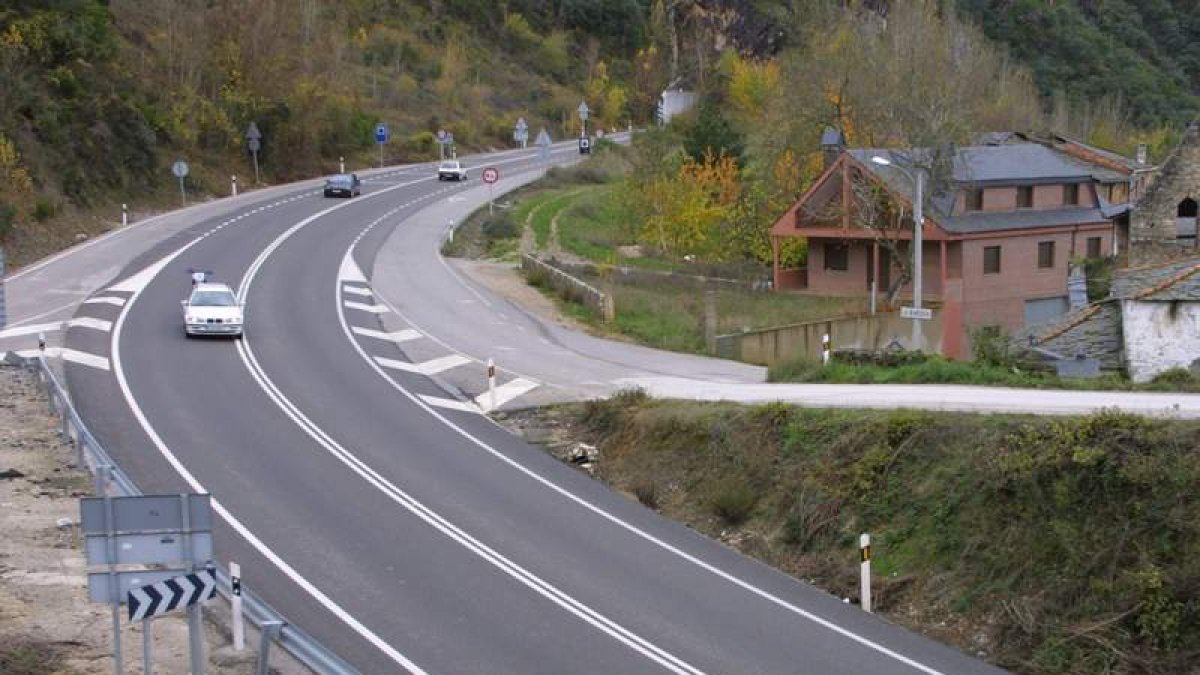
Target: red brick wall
(833, 282)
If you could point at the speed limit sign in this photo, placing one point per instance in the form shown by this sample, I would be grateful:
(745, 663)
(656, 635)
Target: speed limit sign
(491, 175)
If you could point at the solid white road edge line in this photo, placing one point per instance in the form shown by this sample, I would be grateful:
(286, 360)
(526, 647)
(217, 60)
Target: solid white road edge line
(558, 597)
(288, 570)
(766, 595)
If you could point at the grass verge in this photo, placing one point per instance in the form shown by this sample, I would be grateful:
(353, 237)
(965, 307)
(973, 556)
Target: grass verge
(1046, 545)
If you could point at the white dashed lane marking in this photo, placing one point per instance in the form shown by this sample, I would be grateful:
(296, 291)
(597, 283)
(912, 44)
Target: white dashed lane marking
(430, 367)
(398, 336)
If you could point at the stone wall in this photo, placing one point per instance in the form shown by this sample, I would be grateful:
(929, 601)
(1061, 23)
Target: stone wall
(1159, 336)
(804, 340)
(1152, 228)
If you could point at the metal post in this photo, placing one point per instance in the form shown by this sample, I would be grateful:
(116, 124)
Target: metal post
(124, 215)
(864, 550)
(147, 643)
(233, 179)
(918, 261)
(3, 301)
(341, 165)
(491, 373)
(269, 629)
(235, 600)
(114, 587)
(257, 181)
(874, 290)
(491, 197)
(381, 155)
(195, 625)
(710, 321)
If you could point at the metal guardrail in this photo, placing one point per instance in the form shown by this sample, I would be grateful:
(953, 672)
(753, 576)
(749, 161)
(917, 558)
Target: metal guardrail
(111, 479)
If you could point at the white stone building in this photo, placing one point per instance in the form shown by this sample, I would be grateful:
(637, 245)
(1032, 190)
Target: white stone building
(1160, 318)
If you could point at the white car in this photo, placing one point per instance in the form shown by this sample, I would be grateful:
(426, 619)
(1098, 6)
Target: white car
(212, 309)
(452, 171)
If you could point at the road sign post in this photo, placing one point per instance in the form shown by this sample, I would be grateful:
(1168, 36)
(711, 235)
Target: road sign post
(3, 301)
(521, 132)
(164, 535)
(382, 134)
(254, 143)
(490, 176)
(180, 169)
(584, 112)
(916, 313)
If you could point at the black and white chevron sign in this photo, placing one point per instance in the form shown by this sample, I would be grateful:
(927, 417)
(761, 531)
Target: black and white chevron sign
(174, 593)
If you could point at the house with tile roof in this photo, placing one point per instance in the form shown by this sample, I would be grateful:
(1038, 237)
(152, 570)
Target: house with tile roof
(1000, 229)
(1149, 323)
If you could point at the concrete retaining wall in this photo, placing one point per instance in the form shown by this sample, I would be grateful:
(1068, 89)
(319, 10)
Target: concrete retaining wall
(568, 286)
(803, 340)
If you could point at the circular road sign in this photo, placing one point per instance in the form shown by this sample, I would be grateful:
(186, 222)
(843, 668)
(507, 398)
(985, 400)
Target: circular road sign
(491, 175)
(179, 168)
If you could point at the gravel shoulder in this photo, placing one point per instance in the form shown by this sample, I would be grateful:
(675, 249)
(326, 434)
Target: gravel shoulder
(47, 624)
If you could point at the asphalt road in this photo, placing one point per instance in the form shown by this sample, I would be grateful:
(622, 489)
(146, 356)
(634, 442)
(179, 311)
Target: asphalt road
(381, 512)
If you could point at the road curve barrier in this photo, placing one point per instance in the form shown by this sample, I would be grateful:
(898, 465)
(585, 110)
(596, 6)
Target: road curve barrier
(112, 480)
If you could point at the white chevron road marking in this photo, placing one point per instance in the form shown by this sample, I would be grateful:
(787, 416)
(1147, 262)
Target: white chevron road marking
(431, 367)
(450, 404)
(80, 322)
(505, 393)
(374, 309)
(405, 335)
(356, 290)
(105, 300)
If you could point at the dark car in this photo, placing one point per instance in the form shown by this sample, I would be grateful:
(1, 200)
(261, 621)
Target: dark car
(343, 185)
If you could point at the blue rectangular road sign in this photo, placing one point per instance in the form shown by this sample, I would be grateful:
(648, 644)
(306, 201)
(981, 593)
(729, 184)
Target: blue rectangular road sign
(381, 133)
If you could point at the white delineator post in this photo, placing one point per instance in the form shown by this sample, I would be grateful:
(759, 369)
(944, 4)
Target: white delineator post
(491, 373)
(864, 549)
(235, 600)
(233, 183)
(825, 352)
(124, 215)
(341, 165)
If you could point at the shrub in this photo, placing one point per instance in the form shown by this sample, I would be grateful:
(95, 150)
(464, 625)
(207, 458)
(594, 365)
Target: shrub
(43, 210)
(8, 215)
(646, 491)
(990, 346)
(499, 226)
(733, 499)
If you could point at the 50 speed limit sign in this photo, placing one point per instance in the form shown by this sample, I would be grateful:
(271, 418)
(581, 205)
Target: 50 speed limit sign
(491, 175)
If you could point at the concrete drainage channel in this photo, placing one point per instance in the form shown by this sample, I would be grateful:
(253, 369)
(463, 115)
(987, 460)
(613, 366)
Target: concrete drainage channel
(110, 480)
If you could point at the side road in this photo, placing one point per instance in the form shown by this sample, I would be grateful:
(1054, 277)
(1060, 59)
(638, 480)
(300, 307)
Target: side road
(456, 309)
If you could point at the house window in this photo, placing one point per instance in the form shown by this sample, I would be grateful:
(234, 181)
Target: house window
(975, 199)
(1093, 247)
(1045, 255)
(991, 260)
(1025, 197)
(837, 257)
(1071, 194)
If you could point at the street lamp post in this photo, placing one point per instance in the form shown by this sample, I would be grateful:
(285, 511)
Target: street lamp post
(918, 242)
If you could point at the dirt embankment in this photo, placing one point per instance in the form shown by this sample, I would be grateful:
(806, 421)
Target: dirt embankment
(47, 624)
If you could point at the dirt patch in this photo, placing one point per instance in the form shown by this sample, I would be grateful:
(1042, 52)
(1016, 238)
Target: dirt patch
(506, 281)
(47, 624)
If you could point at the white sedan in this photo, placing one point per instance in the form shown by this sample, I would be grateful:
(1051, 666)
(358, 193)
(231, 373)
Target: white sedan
(212, 309)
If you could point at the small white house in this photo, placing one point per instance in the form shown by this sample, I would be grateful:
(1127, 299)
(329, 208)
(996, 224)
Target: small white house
(675, 102)
(1160, 317)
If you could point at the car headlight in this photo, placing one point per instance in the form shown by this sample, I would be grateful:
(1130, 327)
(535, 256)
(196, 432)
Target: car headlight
(192, 319)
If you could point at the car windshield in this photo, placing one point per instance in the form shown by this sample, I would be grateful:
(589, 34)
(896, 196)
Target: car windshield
(339, 180)
(213, 299)
(450, 165)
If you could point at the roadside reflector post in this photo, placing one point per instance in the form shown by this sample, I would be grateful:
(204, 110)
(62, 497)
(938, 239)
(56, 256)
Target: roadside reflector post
(341, 165)
(864, 550)
(41, 342)
(124, 215)
(235, 600)
(825, 350)
(233, 182)
(491, 374)
(269, 630)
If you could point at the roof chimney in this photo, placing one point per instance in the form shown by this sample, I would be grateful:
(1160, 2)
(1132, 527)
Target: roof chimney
(1141, 154)
(832, 144)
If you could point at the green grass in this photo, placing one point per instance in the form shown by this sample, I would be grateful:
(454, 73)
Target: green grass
(1011, 534)
(937, 370)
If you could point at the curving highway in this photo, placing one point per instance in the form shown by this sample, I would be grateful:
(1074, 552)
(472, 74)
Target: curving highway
(373, 504)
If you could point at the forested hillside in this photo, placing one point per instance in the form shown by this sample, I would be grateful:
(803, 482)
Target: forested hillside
(99, 98)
